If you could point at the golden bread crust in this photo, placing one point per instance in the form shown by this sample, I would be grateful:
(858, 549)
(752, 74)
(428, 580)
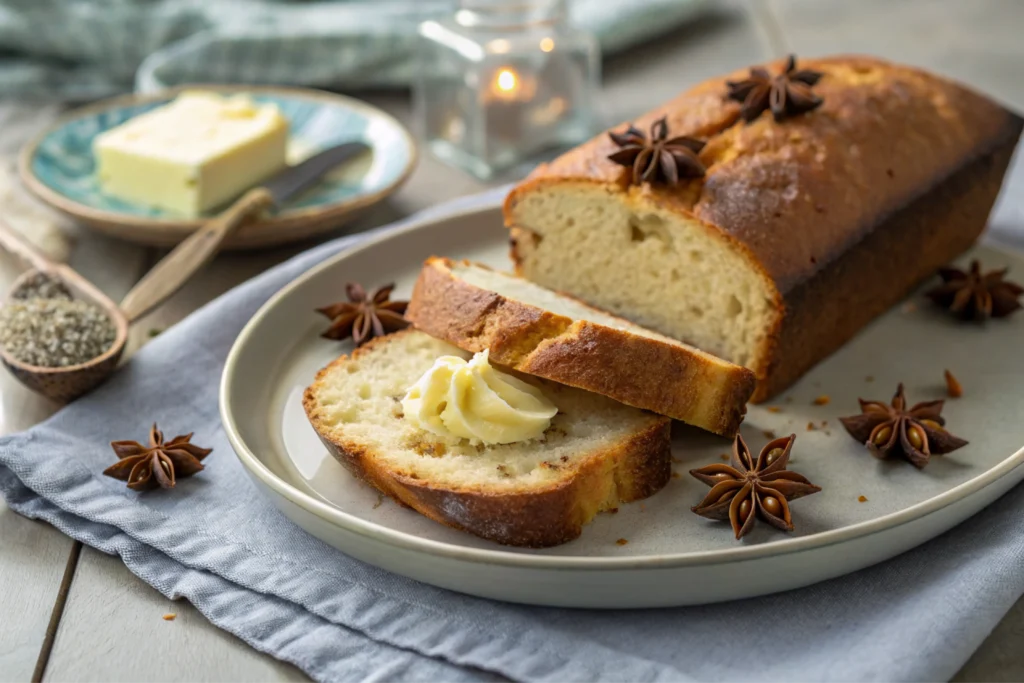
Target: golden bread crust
(647, 373)
(884, 135)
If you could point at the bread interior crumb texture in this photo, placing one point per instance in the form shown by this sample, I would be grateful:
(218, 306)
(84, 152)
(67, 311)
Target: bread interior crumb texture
(653, 266)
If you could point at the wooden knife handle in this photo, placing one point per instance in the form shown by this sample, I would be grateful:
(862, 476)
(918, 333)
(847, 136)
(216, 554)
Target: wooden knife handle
(175, 269)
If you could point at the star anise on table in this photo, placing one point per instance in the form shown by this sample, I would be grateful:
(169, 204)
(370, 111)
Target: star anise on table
(892, 429)
(749, 488)
(785, 94)
(364, 316)
(159, 464)
(659, 158)
(972, 295)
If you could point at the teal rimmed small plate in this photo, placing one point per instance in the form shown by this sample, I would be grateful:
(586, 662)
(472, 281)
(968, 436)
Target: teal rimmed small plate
(58, 167)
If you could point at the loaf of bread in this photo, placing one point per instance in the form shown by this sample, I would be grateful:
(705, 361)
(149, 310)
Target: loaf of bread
(596, 454)
(543, 333)
(800, 232)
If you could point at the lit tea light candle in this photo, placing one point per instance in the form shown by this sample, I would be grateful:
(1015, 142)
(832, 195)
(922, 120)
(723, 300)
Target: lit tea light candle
(503, 81)
(508, 85)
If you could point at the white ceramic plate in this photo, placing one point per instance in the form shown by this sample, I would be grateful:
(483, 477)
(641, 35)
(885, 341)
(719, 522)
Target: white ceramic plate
(672, 557)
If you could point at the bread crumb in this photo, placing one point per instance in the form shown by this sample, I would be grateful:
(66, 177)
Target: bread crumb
(675, 475)
(828, 433)
(810, 426)
(869, 378)
(953, 387)
(621, 541)
(824, 423)
(434, 450)
(612, 511)
(724, 456)
(789, 399)
(676, 460)
(822, 400)
(862, 499)
(769, 434)
(170, 616)
(774, 409)
(380, 501)
(909, 307)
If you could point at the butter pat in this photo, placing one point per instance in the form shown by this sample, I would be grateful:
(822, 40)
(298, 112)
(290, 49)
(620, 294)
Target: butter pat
(471, 400)
(194, 154)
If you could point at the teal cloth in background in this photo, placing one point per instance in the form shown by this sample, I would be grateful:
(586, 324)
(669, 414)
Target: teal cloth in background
(78, 50)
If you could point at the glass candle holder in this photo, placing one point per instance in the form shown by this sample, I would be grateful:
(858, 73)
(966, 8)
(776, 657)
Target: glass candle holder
(503, 81)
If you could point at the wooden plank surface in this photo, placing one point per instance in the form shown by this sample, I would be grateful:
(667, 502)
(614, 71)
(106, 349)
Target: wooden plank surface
(116, 631)
(32, 560)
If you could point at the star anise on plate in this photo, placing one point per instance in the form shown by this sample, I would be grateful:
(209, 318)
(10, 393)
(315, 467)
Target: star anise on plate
(892, 429)
(159, 464)
(972, 295)
(749, 488)
(659, 158)
(364, 316)
(785, 94)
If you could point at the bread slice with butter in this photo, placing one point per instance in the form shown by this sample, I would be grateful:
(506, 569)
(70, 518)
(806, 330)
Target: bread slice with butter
(596, 455)
(540, 332)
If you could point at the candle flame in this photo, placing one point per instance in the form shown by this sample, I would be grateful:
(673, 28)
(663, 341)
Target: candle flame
(507, 80)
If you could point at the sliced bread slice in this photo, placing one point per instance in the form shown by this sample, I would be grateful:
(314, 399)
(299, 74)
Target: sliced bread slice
(554, 336)
(596, 455)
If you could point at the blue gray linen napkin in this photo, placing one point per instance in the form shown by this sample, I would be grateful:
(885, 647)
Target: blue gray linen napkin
(218, 543)
(92, 48)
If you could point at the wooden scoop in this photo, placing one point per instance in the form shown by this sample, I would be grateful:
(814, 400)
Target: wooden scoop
(69, 382)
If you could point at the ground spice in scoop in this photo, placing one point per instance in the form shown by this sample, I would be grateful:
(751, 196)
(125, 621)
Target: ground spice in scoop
(43, 326)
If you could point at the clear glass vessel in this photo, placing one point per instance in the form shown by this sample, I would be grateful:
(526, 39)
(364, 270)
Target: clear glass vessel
(503, 81)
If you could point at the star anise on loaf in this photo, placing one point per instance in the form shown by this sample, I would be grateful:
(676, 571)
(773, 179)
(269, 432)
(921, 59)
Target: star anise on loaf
(159, 464)
(893, 430)
(660, 158)
(749, 488)
(972, 295)
(785, 94)
(364, 316)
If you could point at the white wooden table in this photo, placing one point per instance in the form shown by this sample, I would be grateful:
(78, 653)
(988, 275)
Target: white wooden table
(69, 613)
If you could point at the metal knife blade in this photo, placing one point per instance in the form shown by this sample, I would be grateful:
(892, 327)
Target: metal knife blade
(305, 174)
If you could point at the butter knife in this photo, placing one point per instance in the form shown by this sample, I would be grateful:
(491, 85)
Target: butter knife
(175, 269)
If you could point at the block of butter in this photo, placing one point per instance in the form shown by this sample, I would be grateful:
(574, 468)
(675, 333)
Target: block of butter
(193, 154)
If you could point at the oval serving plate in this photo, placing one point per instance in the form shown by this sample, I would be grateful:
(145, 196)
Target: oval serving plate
(671, 557)
(58, 167)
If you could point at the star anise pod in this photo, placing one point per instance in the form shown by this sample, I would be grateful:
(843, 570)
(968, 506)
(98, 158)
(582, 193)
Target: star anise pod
(364, 316)
(786, 94)
(974, 296)
(659, 158)
(891, 429)
(159, 464)
(747, 488)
